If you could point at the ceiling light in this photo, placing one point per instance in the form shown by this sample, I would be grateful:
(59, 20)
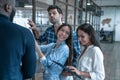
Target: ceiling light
(28, 6)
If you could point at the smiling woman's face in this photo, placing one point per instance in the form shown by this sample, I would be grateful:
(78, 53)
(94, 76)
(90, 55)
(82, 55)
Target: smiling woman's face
(63, 33)
(84, 38)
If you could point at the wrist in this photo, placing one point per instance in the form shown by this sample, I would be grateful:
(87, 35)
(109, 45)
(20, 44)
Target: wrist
(81, 73)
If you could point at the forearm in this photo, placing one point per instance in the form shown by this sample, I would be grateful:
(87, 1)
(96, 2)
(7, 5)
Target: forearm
(38, 50)
(34, 29)
(85, 74)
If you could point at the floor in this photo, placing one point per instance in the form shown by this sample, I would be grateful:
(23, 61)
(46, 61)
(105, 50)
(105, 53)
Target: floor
(111, 61)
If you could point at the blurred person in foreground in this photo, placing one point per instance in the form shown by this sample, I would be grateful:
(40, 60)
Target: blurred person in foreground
(17, 46)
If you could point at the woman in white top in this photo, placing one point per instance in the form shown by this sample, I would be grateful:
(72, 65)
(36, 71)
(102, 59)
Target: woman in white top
(90, 62)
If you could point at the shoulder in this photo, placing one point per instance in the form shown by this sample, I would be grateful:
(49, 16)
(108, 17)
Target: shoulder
(64, 47)
(21, 28)
(48, 45)
(25, 33)
(97, 51)
(51, 44)
(50, 28)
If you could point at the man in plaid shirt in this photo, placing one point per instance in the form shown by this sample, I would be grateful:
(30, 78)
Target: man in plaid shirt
(49, 36)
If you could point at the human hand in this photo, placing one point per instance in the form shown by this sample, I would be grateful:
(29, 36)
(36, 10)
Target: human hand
(31, 23)
(66, 73)
(34, 29)
(75, 70)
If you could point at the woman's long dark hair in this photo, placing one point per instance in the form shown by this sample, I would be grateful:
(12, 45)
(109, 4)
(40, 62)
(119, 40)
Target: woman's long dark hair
(87, 28)
(69, 43)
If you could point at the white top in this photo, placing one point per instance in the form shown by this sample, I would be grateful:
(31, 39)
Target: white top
(92, 62)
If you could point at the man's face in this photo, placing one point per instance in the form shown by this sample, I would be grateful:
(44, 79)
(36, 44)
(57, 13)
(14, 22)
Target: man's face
(12, 14)
(54, 16)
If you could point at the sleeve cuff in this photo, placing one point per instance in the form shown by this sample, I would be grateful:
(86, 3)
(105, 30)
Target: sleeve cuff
(92, 75)
(42, 59)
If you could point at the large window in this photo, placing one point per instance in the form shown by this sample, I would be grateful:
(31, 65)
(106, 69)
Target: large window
(75, 12)
(72, 11)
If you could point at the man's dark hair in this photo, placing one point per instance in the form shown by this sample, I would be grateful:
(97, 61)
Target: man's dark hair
(55, 7)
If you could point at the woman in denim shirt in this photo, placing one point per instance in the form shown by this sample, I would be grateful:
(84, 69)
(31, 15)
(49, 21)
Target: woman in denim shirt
(61, 52)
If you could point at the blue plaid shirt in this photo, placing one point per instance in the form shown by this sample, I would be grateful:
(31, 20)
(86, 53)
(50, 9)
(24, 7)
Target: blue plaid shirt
(49, 36)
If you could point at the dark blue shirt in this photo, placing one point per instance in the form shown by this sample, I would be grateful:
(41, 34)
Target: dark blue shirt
(17, 51)
(49, 36)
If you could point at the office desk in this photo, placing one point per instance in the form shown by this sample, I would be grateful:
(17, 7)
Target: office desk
(107, 36)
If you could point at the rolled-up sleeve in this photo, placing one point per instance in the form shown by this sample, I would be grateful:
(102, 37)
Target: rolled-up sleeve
(98, 72)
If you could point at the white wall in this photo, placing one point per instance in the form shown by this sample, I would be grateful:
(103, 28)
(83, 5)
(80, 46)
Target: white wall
(117, 24)
(114, 14)
(109, 12)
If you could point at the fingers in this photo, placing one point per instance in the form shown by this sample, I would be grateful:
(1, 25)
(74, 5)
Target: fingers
(73, 69)
(70, 67)
(34, 29)
(65, 73)
(31, 23)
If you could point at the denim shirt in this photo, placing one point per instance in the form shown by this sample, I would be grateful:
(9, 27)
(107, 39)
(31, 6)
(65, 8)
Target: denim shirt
(58, 54)
(49, 36)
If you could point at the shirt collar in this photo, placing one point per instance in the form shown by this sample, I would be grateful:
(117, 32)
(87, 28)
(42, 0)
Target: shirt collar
(3, 16)
(63, 42)
(90, 46)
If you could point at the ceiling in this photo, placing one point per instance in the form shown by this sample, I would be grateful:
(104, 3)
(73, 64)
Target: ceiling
(98, 2)
(107, 2)
(45, 3)
(22, 3)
